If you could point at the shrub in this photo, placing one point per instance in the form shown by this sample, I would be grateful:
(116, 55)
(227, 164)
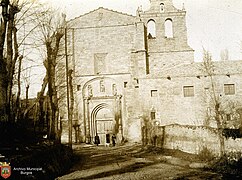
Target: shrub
(205, 154)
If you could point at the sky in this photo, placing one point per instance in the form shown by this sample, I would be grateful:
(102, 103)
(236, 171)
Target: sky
(214, 25)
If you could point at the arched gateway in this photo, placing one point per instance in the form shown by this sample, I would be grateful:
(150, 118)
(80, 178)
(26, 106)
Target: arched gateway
(102, 109)
(102, 121)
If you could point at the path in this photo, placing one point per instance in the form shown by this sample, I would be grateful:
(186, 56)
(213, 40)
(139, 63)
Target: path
(131, 162)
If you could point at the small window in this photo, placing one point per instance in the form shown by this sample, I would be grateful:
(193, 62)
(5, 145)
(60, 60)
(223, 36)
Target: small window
(125, 84)
(154, 93)
(152, 115)
(188, 91)
(78, 87)
(162, 7)
(228, 117)
(229, 89)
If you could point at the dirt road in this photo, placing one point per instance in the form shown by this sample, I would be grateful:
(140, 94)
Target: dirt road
(131, 162)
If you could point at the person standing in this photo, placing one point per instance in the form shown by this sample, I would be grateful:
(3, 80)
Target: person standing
(97, 140)
(113, 139)
(107, 140)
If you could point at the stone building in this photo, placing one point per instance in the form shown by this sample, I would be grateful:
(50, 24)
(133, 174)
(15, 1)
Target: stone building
(130, 70)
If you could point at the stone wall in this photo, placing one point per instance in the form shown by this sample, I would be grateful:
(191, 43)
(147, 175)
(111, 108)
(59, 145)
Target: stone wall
(104, 35)
(167, 50)
(172, 107)
(138, 64)
(192, 139)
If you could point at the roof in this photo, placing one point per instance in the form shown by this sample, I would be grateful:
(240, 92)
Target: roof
(100, 17)
(103, 9)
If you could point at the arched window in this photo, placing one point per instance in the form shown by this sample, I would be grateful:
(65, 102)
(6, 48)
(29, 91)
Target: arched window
(151, 29)
(162, 7)
(168, 28)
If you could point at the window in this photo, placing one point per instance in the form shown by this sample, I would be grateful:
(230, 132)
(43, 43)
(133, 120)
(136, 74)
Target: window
(229, 89)
(162, 7)
(228, 117)
(151, 29)
(78, 87)
(168, 28)
(188, 91)
(125, 84)
(154, 93)
(99, 63)
(152, 115)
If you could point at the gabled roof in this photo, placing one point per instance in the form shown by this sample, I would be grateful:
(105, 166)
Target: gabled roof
(103, 9)
(101, 17)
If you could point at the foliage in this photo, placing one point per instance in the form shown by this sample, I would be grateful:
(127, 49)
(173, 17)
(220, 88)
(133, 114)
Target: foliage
(229, 165)
(206, 155)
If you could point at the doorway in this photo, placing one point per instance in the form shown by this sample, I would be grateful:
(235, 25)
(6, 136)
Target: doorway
(104, 124)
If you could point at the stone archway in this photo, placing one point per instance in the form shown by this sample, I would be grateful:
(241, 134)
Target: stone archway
(102, 121)
(102, 109)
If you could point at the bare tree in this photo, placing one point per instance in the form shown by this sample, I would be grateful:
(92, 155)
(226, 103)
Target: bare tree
(9, 52)
(209, 69)
(70, 79)
(3, 63)
(52, 29)
(17, 108)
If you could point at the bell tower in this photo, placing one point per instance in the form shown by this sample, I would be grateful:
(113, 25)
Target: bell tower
(161, 6)
(166, 35)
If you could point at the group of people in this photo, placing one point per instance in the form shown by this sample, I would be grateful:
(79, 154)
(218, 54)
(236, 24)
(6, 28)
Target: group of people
(108, 140)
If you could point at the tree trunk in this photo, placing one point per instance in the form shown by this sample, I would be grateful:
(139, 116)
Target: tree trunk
(12, 56)
(40, 100)
(52, 51)
(220, 129)
(51, 133)
(71, 100)
(9, 61)
(27, 96)
(3, 72)
(17, 111)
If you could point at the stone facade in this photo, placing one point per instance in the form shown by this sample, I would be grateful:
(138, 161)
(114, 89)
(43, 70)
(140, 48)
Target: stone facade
(126, 71)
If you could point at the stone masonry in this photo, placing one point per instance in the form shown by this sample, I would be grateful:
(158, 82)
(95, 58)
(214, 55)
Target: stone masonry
(123, 74)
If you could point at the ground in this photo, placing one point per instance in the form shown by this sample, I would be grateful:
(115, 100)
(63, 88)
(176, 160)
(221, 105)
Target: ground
(134, 162)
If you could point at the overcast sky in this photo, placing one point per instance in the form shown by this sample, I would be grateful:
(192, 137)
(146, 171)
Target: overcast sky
(213, 24)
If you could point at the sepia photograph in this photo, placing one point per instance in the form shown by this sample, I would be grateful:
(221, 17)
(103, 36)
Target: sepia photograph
(120, 89)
